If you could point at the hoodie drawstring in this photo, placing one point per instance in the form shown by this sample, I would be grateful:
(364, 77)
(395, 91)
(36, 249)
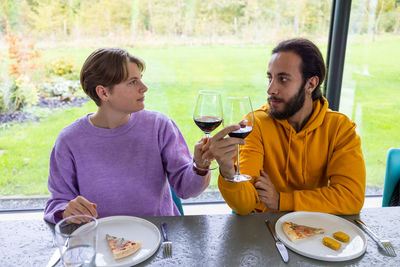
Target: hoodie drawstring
(288, 156)
(305, 157)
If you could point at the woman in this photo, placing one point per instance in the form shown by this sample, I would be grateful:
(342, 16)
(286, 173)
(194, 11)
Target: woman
(122, 159)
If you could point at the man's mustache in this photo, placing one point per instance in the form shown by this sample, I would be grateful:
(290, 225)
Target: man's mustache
(274, 98)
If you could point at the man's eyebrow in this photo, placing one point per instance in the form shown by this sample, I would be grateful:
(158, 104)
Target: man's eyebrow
(280, 74)
(284, 74)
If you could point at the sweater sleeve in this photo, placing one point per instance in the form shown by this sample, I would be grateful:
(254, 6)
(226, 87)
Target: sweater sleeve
(346, 173)
(242, 197)
(178, 163)
(62, 182)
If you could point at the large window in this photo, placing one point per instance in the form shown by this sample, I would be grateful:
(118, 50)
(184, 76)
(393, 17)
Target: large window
(371, 82)
(187, 45)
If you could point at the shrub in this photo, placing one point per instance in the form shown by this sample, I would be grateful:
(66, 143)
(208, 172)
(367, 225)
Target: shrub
(17, 93)
(17, 89)
(63, 68)
(61, 87)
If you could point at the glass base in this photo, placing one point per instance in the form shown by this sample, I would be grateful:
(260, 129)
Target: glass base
(237, 178)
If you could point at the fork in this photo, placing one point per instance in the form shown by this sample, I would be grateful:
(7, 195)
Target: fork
(384, 244)
(167, 245)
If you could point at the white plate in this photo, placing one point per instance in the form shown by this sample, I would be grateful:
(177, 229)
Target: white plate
(130, 228)
(312, 247)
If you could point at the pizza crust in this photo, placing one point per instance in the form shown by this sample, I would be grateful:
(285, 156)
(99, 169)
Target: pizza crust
(289, 232)
(121, 248)
(127, 250)
(295, 231)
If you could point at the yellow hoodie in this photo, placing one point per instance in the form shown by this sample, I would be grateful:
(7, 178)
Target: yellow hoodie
(320, 168)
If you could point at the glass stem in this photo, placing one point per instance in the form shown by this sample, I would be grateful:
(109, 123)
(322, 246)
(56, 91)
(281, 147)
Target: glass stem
(238, 160)
(207, 136)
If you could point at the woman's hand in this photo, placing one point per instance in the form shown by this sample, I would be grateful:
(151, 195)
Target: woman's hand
(202, 156)
(80, 206)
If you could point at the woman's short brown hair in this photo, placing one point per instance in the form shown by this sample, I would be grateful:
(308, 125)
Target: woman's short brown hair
(106, 67)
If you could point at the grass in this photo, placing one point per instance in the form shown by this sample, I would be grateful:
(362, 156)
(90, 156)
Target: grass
(377, 96)
(175, 74)
(25, 160)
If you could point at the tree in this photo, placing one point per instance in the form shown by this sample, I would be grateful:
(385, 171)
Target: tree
(9, 15)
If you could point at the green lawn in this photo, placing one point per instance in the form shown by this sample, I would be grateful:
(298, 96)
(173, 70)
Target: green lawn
(175, 74)
(378, 98)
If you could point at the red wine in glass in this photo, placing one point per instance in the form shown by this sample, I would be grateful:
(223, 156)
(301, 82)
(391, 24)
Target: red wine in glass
(239, 111)
(207, 123)
(208, 115)
(242, 132)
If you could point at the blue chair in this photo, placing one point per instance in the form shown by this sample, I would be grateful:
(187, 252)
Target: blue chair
(177, 201)
(392, 176)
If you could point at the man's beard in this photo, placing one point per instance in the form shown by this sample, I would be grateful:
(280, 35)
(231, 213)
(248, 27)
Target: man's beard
(294, 104)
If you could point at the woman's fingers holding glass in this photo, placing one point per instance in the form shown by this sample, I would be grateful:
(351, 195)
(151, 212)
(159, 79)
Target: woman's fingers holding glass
(207, 156)
(200, 149)
(202, 145)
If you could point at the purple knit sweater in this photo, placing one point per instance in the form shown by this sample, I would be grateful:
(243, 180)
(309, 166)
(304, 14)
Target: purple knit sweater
(125, 171)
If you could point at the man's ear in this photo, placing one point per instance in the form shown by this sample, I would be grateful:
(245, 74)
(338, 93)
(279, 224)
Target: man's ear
(311, 84)
(102, 92)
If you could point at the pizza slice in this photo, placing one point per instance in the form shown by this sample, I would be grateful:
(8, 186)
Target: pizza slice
(296, 231)
(122, 248)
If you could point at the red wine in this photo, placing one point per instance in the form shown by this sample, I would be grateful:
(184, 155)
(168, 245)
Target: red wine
(242, 132)
(207, 123)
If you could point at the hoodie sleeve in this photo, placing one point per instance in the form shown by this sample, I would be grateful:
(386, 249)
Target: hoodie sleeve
(346, 174)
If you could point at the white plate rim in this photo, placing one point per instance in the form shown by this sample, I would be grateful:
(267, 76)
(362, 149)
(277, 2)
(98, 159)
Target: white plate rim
(135, 220)
(291, 245)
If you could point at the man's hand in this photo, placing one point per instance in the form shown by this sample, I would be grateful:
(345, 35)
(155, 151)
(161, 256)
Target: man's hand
(224, 149)
(79, 206)
(266, 191)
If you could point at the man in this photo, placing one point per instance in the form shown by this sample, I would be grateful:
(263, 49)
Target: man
(301, 155)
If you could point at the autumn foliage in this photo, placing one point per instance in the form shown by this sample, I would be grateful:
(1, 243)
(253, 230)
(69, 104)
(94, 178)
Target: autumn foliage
(21, 56)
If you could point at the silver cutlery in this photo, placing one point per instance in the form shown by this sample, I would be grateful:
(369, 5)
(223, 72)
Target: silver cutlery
(55, 258)
(384, 244)
(166, 244)
(279, 245)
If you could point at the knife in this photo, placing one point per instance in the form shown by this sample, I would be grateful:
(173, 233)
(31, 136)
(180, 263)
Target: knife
(279, 245)
(55, 258)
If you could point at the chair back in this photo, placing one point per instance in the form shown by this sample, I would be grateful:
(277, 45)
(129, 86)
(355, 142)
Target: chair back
(177, 201)
(392, 175)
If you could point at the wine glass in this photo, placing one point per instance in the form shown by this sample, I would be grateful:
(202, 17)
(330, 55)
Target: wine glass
(239, 111)
(208, 114)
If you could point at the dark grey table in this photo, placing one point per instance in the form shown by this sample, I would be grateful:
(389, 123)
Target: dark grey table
(206, 240)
